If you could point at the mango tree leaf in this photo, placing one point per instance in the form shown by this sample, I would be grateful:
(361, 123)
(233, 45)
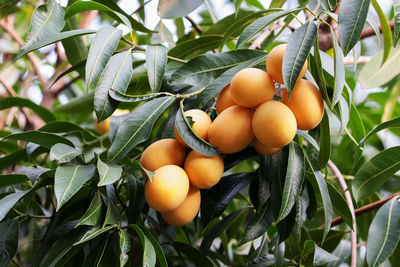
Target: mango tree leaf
(321, 256)
(121, 97)
(156, 63)
(113, 216)
(116, 75)
(136, 199)
(194, 47)
(43, 139)
(375, 172)
(149, 254)
(339, 70)
(396, 8)
(92, 233)
(9, 231)
(137, 127)
(298, 48)
(8, 202)
(13, 158)
(258, 224)
(340, 206)
(75, 67)
(96, 253)
(293, 180)
(103, 46)
(387, 32)
(80, 104)
(161, 260)
(93, 214)
(328, 4)
(384, 125)
(108, 173)
(63, 153)
(384, 233)
(124, 246)
(10, 179)
(42, 112)
(325, 142)
(195, 255)
(162, 35)
(170, 9)
(69, 179)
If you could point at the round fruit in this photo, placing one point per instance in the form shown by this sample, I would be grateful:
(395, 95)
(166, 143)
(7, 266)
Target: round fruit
(168, 188)
(250, 87)
(162, 152)
(224, 99)
(104, 126)
(200, 126)
(203, 172)
(274, 63)
(186, 212)
(306, 103)
(264, 149)
(274, 124)
(231, 130)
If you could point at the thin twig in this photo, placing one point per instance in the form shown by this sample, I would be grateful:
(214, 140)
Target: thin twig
(196, 26)
(256, 44)
(361, 60)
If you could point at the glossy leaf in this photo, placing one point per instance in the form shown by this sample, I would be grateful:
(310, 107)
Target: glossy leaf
(63, 153)
(92, 233)
(108, 173)
(195, 255)
(156, 63)
(298, 48)
(69, 179)
(8, 202)
(340, 205)
(43, 139)
(93, 214)
(113, 216)
(116, 75)
(9, 231)
(339, 70)
(384, 233)
(161, 260)
(325, 142)
(103, 46)
(396, 30)
(321, 256)
(375, 172)
(170, 9)
(387, 32)
(258, 224)
(137, 128)
(42, 112)
(124, 246)
(133, 98)
(149, 254)
(384, 125)
(194, 47)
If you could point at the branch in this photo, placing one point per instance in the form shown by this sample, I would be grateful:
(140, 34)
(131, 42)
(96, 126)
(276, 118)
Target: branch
(361, 60)
(353, 237)
(256, 44)
(196, 26)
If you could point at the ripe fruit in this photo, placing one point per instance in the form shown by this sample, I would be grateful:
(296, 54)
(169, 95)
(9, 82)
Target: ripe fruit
(200, 126)
(203, 171)
(168, 189)
(231, 130)
(274, 124)
(264, 149)
(250, 87)
(274, 63)
(306, 103)
(224, 99)
(161, 153)
(104, 126)
(186, 212)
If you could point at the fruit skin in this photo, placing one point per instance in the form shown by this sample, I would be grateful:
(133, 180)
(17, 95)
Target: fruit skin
(274, 63)
(200, 126)
(224, 99)
(104, 126)
(168, 189)
(264, 149)
(187, 211)
(306, 103)
(162, 152)
(231, 130)
(250, 87)
(203, 172)
(274, 124)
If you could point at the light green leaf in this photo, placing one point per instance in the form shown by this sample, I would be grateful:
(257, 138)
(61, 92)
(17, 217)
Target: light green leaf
(396, 8)
(63, 153)
(108, 173)
(93, 214)
(340, 73)
(170, 9)
(161, 260)
(149, 254)
(387, 32)
(134, 98)
(384, 125)
(124, 246)
(156, 63)
(162, 35)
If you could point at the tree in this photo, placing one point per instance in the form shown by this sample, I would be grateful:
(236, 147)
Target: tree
(76, 170)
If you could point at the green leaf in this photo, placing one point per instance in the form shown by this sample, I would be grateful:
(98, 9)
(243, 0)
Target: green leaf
(92, 233)
(136, 199)
(50, 39)
(396, 30)
(375, 172)
(46, 19)
(156, 63)
(340, 207)
(137, 127)
(298, 48)
(352, 16)
(340, 73)
(238, 3)
(42, 112)
(162, 35)
(195, 255)
(325, 142)
(8, 202)
(321, 256)
(75, 67)
(190, 137)
(69, 179)
(43, 139)
(136, 164)
(96, 253)
(133, 98)
(279, 254)
(9, 231)
(384, 233)
(161, 260)
(103, 46)
(259, 223)
(63, 153)
(124, 246)
(116, 75)
(194, 47)
(11, 179)
(75, 48)
(170, 9)
(93, 214)
(202, 70)
(80, 104)
(293, 180)
(387, 32)
(113, 216)
(384, 125)
(108, 173)
(149, 254)
(13, 158)
(328, 4)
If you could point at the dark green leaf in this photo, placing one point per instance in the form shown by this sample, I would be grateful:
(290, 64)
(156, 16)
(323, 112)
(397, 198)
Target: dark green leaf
(321, 256)
(384, 125)
(8, 202)
(13, 158)
(136, 164)
(149, 254)
(11, 179)
(396, 8)
(8, 240)
(124, 246)
(136, 199)
(195, 47)
(63, 153)
(339, 70)
(92, 233)
(80, 104)
(279, 254)
(340, 207)
(108, 173)
(75, 47)
(93, 214)
(259, 223)
(43, 139)
(96, 254)
(113, 216)
(195, 255)
(156, 63)
(170, 9)
(76, 67)
(325, 142)
(42, 112)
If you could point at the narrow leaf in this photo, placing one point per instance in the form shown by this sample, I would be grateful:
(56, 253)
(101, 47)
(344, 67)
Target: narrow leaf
(340, 73)
(93, 214)
(92, 233)
(325, 142)
(387, 32)
(9, 231)
(121, 97)
(170, 9)
(113, 216)
(384, 125)
(156, 63)
(11, 179)
(161, 260)
(8, 202)
(108, 173)
(43, 139)
(149, 254)
(340, 207)
(195, 255)
(396, 8)
(42, 112)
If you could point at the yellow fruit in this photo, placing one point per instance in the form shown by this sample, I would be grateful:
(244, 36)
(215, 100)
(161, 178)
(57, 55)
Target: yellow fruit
(231, 130)
(274, 124)
(168, 189)
(274, 63)
(200, 126)
(104, 126)
(186, 212)
(264, 149)
(306, 103)
(250, 87)
(224, 99)
(162, 152)
(203, 172)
